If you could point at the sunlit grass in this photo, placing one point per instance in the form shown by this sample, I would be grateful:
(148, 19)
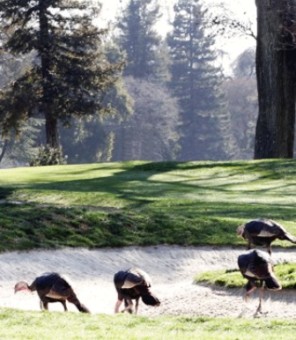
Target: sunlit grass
(54, 325)
(286, 273)
(140, 203)
(143, 203)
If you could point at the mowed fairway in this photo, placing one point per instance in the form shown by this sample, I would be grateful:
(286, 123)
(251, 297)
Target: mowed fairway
(140, 204)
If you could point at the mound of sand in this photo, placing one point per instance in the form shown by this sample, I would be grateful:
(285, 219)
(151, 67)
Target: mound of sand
(172, 269)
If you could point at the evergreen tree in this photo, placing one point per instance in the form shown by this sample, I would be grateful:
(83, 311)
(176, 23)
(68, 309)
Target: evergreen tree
(16, 150)
(150, 132)
(241, 93)
(146, 54)
(71, 73)
(91, 139)
(196, 82)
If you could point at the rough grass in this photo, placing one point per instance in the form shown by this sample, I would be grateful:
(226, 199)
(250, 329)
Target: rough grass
(142, 203)
(54, 325)
(286, 273)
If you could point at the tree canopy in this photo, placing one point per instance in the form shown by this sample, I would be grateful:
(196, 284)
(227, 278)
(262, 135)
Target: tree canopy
(196, 82)
(69, 74)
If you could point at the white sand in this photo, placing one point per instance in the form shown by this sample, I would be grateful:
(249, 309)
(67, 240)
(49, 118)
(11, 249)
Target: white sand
(171, 268)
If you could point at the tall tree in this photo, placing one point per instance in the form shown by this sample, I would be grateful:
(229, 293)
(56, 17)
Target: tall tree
(151, 131)
(196, 82)
(19, 150)
(70, 74)
(276, 70)
(241, 94)
(145, 52)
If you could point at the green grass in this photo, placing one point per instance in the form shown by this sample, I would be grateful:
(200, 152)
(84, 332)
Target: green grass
(142, 203)
(286, 273)
(54, 325)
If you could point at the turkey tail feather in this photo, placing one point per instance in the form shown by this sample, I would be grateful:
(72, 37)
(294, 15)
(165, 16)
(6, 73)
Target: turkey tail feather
(272, 283)
(290, 238)
(73, 299)
(82, 308)
(150, 300)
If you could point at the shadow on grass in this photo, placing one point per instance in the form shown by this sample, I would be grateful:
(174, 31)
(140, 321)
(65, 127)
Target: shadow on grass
(28, 226)
(5, 193)
(156, 212)
(134, 183)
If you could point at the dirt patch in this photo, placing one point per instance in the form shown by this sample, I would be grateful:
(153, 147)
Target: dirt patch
(171, 268)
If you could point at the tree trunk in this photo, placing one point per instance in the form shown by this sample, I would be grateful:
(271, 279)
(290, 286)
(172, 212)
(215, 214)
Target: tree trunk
(51, 123)
(275, 66)
(4, 148)
(51, 131)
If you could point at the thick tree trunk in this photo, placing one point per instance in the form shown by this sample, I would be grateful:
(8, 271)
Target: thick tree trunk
(51, 130)
(275, 66)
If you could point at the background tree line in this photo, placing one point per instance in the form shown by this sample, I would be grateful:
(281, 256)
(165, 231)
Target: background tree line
(73, 92)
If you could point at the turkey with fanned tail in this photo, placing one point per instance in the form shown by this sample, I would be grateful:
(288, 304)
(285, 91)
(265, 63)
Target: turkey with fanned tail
(133, 284)
(262, 232)
(52, 287)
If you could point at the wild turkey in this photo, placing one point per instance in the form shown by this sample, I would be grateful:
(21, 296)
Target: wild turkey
(263, 232)
(52, 287)
(131, 285)
(256, 266)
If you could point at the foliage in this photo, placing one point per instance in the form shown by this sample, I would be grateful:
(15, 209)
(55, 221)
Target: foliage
(151, 132)
(92, 138)
(22, 148)
(241, 94)
(286, 273)
(244, 65)
(13, 67)
(48, 156)
(35, 325)
(140, 41)
(196, 83)
(70, 74)
(142, 203)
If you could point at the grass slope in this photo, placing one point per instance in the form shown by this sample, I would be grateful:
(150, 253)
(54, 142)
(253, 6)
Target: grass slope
(142, 203)
(286, 273)
(54, 325)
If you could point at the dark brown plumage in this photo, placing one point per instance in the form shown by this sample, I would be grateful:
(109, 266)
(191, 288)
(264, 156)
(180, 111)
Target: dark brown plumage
(263, 232)
(257, 267)
(133, 284)
(52, 287)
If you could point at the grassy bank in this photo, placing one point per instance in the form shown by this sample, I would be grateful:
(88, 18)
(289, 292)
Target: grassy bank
(54, 325)
(140, 203)
(286, 273)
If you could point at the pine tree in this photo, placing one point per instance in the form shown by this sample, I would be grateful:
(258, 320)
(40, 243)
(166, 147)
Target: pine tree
(196, 82)
(151, 130)
(150, 133)
(70, 74)
(138, 38)
(20, 149)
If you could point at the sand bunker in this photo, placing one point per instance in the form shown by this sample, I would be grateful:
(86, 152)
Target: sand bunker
(171, 268)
